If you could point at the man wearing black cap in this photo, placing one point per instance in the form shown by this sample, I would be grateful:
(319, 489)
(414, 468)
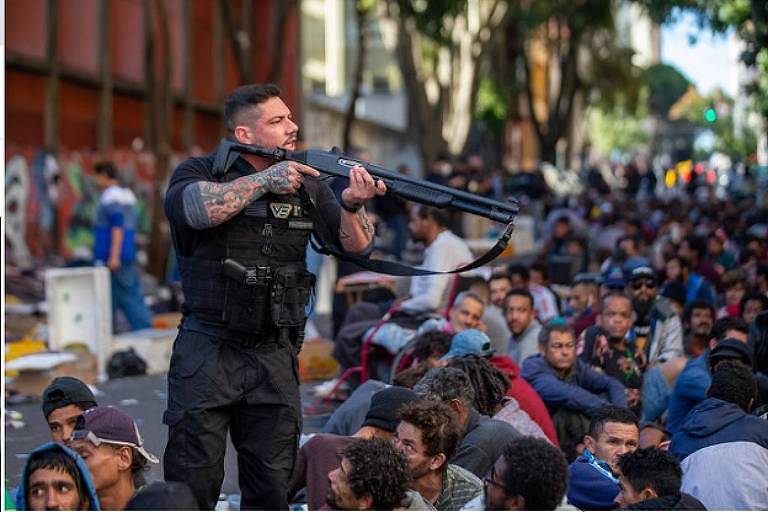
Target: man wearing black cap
(657, 328)
(321, 454)
(64, 400)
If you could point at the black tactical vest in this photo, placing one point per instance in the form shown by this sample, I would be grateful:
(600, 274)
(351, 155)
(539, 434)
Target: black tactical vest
(249, 274)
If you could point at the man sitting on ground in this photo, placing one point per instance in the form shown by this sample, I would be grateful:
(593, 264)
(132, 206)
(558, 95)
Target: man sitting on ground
(428, 435)
(523, 325)
(611, 348)
(373, 475)
(723, 449)
(109, 441)
(466, 313)
(64, 400)
(582, 303)
(692, 384)
(531, 474)
(320, 455)
(593, 482)
(650, 480)
(55, 478)
(482, 437)
(570, 388)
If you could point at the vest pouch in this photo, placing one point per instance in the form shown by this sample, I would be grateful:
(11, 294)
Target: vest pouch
(291, 290)
(246, 306)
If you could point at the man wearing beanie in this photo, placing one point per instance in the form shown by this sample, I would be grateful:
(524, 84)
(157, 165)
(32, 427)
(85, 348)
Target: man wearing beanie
(64, 400)
(322, 453)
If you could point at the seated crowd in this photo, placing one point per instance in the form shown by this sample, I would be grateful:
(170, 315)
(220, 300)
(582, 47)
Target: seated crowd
(642, 386)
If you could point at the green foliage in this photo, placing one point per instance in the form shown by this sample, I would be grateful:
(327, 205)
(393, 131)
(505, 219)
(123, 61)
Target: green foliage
(617, 127)
(748, 18)
(490, 105)
(666, 86)
(432, 17)
(738, 146)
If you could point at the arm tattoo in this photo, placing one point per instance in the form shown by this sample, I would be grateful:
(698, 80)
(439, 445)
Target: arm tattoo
(208, 204)
(343, 235)
(365, 222)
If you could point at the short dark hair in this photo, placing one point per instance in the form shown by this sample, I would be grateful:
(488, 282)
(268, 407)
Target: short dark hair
(108, 169)
(57, 460)
(609, 414)
(438, 423)
(409, 377)
(733, 382)
(520, 270)
(446, 384)
(697, 244)
(682, 260)
(536, 471)
(728, 323)
(735, 277)
(696, 304)
(499, 275)
(753, 295)
(379, 470)
(521, 292)
(440, 217)
(541, 268)
(551, 327)
(431, 342)
(244, 98)
(652, 468)
(614, 295)
(489, 383)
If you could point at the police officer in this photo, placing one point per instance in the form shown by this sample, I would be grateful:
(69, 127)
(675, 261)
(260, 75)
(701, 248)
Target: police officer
(240, 238)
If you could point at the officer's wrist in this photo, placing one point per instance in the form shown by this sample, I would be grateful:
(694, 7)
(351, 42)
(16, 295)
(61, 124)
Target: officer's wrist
(350, 208)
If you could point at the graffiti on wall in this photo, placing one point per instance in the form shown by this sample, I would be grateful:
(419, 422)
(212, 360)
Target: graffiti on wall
(51, 201)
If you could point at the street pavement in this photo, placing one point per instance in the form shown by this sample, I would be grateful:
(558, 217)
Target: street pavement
(143, 398)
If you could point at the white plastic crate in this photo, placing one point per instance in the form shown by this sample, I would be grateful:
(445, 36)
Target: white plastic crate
(80, 310)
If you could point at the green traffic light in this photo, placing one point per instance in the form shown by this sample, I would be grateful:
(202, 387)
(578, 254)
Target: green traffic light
(710, 115)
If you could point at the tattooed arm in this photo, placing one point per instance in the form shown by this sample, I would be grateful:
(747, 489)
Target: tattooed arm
(356, 229)
(208, 204)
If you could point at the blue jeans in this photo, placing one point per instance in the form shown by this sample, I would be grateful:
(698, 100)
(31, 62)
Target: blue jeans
(655, 395)
(127, 296)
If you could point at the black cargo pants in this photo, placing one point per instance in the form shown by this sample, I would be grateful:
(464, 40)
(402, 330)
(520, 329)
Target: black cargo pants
(216, 382)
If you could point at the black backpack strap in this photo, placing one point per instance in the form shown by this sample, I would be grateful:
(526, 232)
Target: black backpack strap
(324, 242)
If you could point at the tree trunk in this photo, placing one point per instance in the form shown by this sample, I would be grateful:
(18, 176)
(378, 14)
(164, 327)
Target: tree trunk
(161, 108)
(551, 129)
(361, 18)
(282, 15)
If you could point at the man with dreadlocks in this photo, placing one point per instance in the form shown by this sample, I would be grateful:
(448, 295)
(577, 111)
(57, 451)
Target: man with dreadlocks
(473, 341)
(483, 437)
(491, 386)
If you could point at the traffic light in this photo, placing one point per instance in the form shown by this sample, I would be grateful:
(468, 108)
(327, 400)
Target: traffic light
(710, 115)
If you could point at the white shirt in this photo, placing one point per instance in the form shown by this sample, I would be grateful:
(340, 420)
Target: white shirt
(428, 293)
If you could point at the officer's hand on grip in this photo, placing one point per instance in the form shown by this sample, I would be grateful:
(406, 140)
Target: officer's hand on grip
(362, 187)
(285, 177)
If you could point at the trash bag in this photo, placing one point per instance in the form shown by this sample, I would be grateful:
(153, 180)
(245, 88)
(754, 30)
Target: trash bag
(126, 363)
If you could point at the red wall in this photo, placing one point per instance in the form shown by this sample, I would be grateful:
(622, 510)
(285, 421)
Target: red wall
(78, 45)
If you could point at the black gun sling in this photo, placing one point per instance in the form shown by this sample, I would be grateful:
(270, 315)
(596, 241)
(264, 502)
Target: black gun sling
(323, 241)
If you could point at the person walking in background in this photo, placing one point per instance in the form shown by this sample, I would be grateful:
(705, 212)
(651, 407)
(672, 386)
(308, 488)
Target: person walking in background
(114, 245)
